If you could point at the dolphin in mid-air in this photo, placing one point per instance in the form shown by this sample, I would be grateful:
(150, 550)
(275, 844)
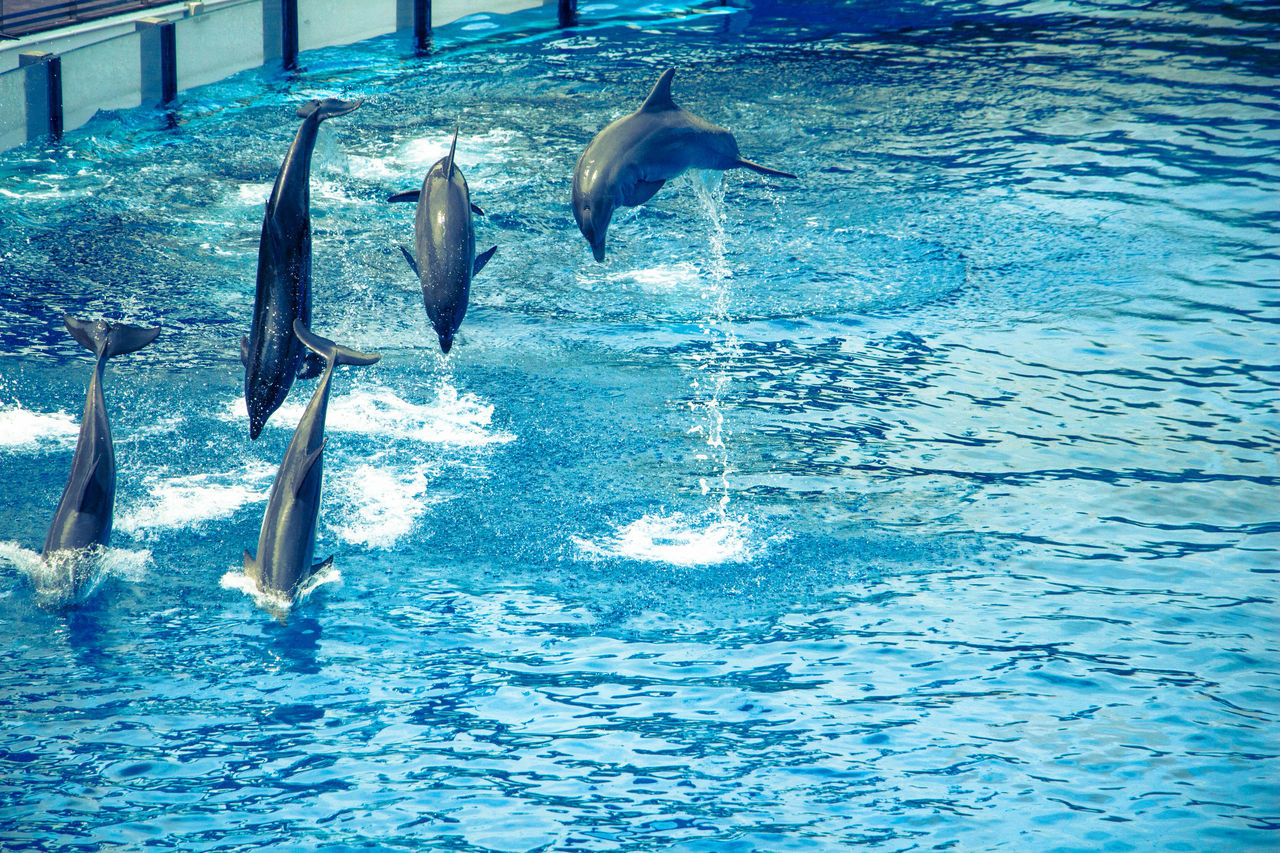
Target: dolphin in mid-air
(287, 541)
(445, 243)
(85, 511)
(272, 356)
(633, 157)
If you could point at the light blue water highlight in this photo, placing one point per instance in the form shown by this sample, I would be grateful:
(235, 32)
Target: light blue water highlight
(926, 502)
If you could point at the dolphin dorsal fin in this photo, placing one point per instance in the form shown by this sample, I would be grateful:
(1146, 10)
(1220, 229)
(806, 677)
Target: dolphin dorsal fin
(448, 166)
(660, 98)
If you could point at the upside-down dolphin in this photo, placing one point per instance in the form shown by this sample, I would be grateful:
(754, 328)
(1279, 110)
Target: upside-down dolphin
(633, 157)
(446, 244)
(272, 356)
(88, 502)
(287, 541)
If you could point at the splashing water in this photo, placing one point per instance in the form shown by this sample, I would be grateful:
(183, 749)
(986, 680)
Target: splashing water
(68, 578)
(279, 604)
(677, 540)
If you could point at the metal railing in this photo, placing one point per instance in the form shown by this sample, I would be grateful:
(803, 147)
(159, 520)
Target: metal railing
(23, 17)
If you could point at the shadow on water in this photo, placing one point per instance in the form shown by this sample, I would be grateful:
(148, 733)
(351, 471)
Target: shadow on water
(293, 644)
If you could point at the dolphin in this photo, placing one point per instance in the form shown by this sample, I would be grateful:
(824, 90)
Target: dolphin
(445, 243)
(287, 542)
(270, 353)
(85, 511)
(633, 157)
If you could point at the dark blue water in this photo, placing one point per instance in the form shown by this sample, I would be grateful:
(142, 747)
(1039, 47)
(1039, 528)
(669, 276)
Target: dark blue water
(926, 502)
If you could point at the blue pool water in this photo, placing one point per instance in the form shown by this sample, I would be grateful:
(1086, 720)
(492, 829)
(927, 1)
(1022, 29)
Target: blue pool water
(926, 502)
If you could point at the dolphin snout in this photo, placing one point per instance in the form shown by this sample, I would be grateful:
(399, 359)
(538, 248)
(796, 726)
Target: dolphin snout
(597, 249)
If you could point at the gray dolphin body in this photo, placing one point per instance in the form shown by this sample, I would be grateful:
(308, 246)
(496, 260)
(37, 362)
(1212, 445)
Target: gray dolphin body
(633, 157)
(287, 542)
(445, 244)
(271, 354)
(85, 511)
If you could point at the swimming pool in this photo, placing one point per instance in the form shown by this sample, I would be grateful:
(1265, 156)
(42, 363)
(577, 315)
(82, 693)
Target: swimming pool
(927, 501)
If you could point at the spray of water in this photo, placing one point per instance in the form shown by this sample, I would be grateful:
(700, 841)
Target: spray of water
(712, 371)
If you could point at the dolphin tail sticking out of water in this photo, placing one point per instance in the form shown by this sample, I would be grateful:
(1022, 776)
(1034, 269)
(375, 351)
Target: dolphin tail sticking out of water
(87, 505)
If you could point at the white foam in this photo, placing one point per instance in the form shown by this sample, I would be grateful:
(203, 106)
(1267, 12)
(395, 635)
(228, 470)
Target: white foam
(21, 429)
(380, 506)
(664, 278)
(64, 578)
(678, 540)
(451, 418)
(254, 194)
(192, 500)
(274, 602)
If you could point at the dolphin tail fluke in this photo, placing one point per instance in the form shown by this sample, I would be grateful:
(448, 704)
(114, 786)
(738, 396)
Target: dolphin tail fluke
(448, 166)
(764, 170)
(109, 339)
(323, 108)
(408, 195)
(660, 98)
(408, 256)
(483, 258)
(329, 351)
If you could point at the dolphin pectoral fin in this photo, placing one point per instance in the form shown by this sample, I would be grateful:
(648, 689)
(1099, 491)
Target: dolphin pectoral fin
(410, 195)
(251, 567)
(305, 468)
(764, 170)
(244, 350)
(322, 565)
(483, 258)
(642, 192)
(660, 98)
(311, 367)
(475, 208)
(93, 494)
(408, 256)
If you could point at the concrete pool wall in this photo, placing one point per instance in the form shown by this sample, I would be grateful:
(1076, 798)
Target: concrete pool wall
(57, 80)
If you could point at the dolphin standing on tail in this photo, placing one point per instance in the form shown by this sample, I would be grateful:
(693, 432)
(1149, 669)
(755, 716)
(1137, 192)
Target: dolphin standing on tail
(271, 354)
(287, 542)
(633, 157)
(445, 243)
(88, 502)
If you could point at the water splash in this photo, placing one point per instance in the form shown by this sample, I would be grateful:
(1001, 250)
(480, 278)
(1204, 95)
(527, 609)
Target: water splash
(190, 502)
(381, 505)
(23, 429)
(713, 365)
(677, 540)
(277, 603)
(69, 578)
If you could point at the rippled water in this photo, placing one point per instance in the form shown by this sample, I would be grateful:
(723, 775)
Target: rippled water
(926, 502)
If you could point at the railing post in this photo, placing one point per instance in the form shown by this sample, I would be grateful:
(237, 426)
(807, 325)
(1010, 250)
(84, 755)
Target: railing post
(568, 12)
(422, 25)
(289, 35)
(44, 93)
(159, 60)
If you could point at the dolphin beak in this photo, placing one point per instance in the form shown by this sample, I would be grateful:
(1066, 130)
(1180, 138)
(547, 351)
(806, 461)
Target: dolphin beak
(597, 249)
(446, 343)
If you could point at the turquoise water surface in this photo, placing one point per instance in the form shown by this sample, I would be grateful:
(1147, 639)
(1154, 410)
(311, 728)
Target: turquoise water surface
(926, 502)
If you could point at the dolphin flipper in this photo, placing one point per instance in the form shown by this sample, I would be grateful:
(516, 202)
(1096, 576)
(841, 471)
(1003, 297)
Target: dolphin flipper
(311, 367)
(483, 258)
(408, 195)
(475, 208)
(764, 170)
(93, 494)
(305, 468)
(642, 192)
(408, 256)
(251, 567)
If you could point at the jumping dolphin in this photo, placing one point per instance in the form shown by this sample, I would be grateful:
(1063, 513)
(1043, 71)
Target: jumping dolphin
(85, 511)
(288, 538)
(270, 353)
(445, 243)
(633, 157)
